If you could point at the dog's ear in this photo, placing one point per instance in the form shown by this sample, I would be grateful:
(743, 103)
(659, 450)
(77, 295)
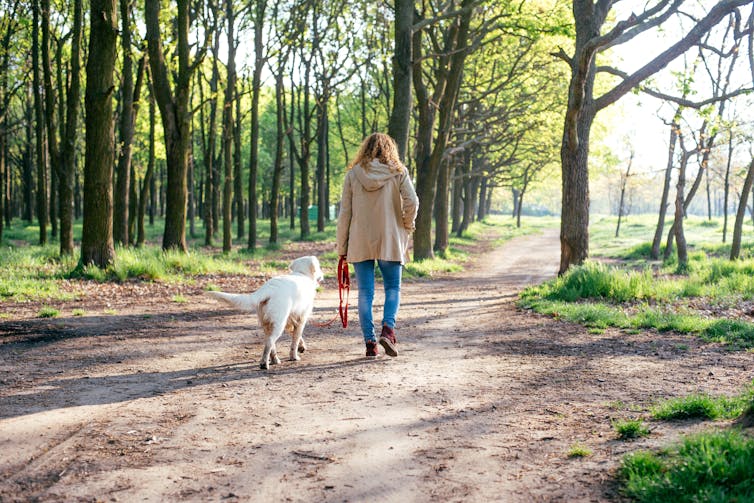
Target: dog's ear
(315, 270)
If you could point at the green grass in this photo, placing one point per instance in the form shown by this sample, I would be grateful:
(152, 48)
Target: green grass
(48, 312)
(578, 451)
(600, 296)
(637, 232)
(702, 406)
(630, 429)
(708, 467)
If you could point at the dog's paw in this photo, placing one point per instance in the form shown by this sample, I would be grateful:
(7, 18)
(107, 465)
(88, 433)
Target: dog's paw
(294, 357)
(275, 360)
(264, 366)
(301, 347)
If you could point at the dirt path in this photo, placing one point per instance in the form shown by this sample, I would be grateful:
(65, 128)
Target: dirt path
(166, 403)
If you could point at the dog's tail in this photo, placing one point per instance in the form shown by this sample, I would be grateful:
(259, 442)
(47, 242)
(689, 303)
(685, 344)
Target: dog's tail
(247, 302)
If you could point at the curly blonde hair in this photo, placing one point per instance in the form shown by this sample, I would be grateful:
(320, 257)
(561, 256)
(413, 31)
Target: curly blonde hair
(381, 147)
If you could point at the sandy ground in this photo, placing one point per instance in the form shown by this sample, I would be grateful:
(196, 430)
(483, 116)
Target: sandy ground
(160, 401)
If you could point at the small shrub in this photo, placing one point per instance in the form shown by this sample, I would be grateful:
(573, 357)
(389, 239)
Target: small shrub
(630, 429)
(179, 299)
(48, 312)
(78, 312)
(579, 451)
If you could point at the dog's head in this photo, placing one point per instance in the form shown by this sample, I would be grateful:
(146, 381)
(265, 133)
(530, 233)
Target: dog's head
(308, 266)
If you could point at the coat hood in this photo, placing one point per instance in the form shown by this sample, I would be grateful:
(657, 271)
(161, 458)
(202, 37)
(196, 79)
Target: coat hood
(375, 175)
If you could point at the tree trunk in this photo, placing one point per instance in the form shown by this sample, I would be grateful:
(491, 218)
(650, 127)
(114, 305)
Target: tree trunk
(97, 240)
(678, 232)
(28, 168)
(735, 247)
(442, 232)
(228, 123)
(238, 199)
(574, 151)
(322, 134)
(482, 207)
(176, 118)
(191, 207)
(53, 150)
(256, 84)
(42, 209)
(126, 131)
(278, 163)
(400, 116)
(447, 86)
(68, 153)
(148, 183)
(674, 128)
(726, 189)
(457, 198)
(623, 184)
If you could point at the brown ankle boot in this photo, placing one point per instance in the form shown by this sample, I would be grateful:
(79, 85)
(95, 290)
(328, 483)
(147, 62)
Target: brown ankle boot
(387, 340)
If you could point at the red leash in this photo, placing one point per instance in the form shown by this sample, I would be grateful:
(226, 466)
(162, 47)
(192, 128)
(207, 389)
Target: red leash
(344, 289)
(344, 286)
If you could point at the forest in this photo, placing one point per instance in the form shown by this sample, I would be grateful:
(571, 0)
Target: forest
(214, 115)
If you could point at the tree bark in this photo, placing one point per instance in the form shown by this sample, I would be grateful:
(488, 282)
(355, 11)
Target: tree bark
(322, 136)
(97, 240)
(148, 183)
(68, 152)
(659, 230)
(400, 116)
(126, 131)
(228, 123)
(238, 199)
(442, 215)
(256, 84)
(42, 208)
(726, 188)
(53, 150)
(277, 171)
(735, 247)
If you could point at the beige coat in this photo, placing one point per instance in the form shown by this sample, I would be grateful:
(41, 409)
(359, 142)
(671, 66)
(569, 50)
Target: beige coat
(377, 213)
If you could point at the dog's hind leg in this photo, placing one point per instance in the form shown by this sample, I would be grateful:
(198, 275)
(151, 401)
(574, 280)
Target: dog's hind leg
(297, 344)
(270, 351)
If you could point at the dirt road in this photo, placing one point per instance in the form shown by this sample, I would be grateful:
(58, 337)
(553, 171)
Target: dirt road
(165, 402)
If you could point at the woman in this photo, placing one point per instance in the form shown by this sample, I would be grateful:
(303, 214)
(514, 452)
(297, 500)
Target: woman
(377, 216)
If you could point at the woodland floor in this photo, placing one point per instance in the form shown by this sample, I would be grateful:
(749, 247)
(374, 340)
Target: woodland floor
(145, 399)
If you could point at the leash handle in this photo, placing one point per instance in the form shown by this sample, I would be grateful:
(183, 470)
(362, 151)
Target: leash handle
(344, 289)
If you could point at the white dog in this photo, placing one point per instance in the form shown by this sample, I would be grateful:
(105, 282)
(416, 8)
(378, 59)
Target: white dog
(282, 303)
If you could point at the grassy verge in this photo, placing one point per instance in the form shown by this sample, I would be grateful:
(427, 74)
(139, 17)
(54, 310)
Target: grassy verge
(601, 296)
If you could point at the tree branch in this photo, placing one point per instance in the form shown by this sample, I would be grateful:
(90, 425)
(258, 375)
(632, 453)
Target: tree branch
(723, 8)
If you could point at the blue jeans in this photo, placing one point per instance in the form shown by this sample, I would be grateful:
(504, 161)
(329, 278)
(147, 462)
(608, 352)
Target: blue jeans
(391, 275)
